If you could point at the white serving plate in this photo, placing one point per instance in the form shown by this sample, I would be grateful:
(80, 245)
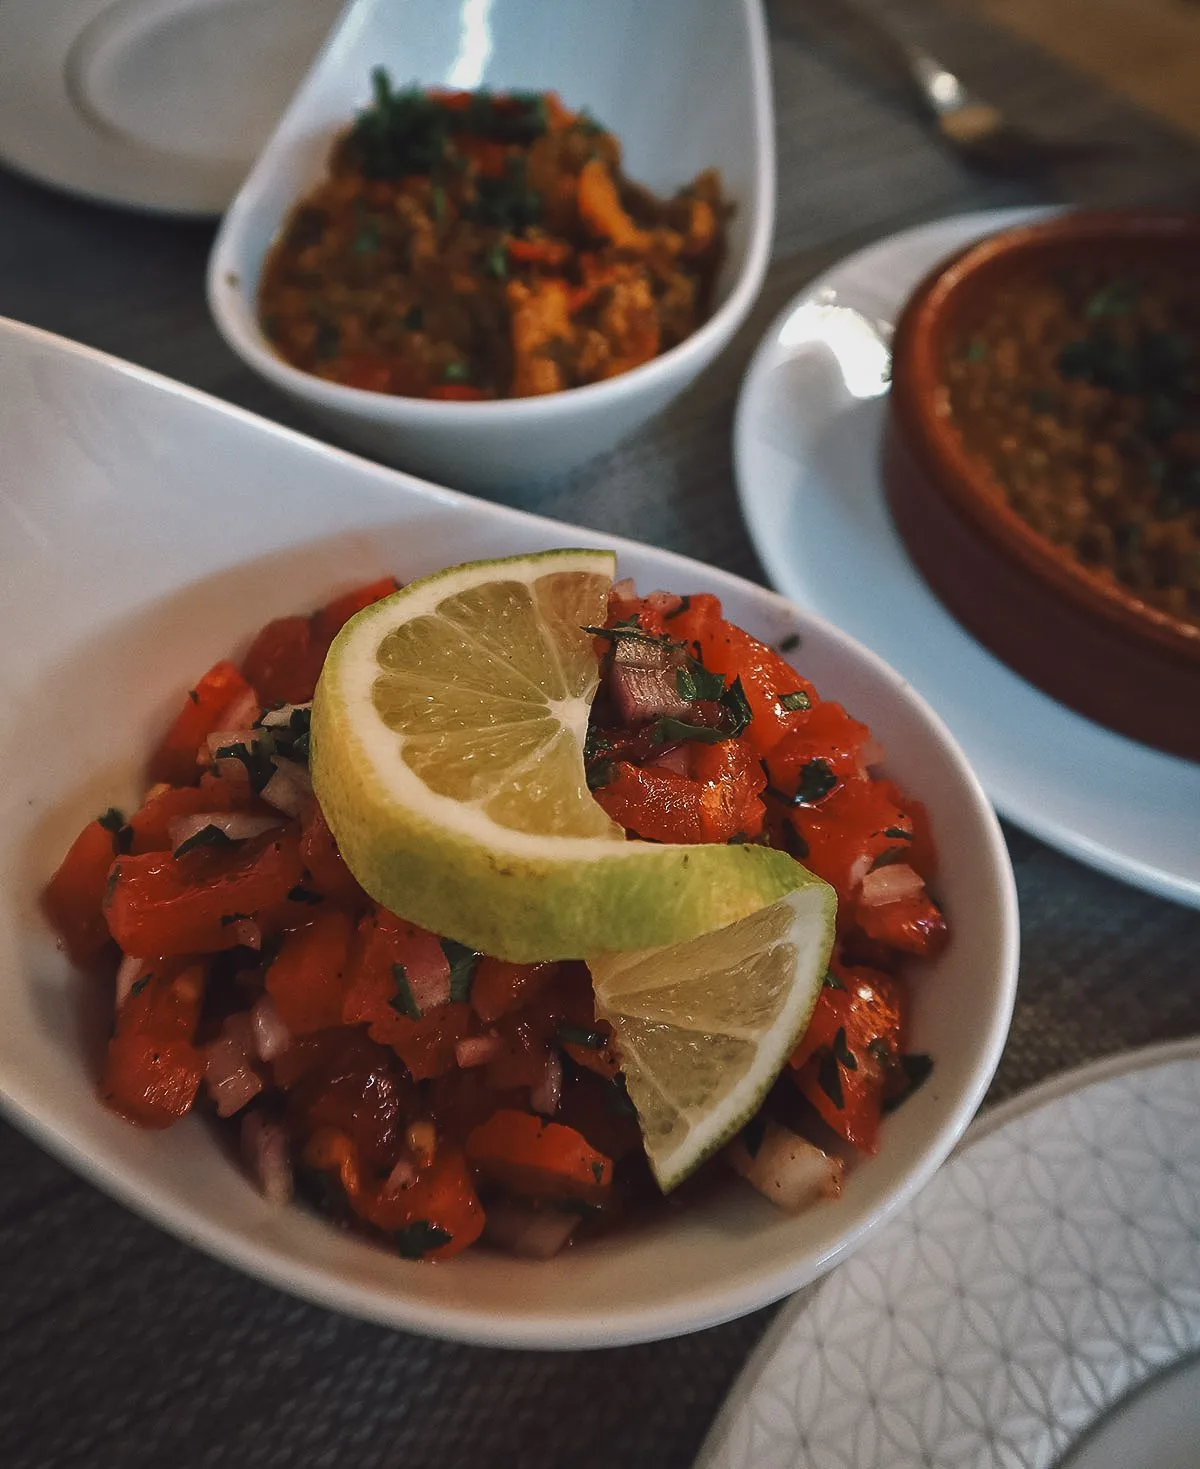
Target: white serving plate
(149, 530)
(806, 449)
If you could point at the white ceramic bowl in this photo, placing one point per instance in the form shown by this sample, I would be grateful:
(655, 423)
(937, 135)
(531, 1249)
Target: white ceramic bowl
(685, 84)
(149, 531)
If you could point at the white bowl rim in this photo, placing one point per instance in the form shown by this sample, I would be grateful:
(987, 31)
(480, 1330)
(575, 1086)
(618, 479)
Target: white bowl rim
(558, 1328)
(227, 263)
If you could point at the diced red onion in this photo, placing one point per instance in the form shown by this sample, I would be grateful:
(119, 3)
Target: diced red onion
(787, 1169)
(626, 587)
(545, 1097)
(646, 693)
(421, 1140)
(872, 753)
(270, 1035)
(676, 760)
(402, 1176)
(289, 790)
(281, 718)
(532, 1234)
(222, 739)
(429, 989)
(477, 1050)
(238, 826)
(265, 1148)
(664, 602)
(232, 1080)
(241, 712)
(131, 970)
(859, 869)
(247, 933)
(889, 884)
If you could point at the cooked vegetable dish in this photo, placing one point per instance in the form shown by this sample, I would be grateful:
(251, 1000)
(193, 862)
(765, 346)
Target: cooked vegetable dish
(429, 1095)
(468, 246)
(1079, 389)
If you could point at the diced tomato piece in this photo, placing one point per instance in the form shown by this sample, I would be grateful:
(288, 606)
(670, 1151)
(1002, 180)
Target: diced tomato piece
(330, 620)
(846, 832)
(149, 826)
(539, 1159)
(153, 1070)
(843, 1056)
(766, 677)
(327, 873)
(386, 943)
(160, 904)
(307, 978)
(499, 986)
(719, 801)
(282, 663)
(436, 1216)
(72, 899)
(341, 1080)
(922, 853)
(914, 925)
(823, 732)
(152, 1082)
(175, 759)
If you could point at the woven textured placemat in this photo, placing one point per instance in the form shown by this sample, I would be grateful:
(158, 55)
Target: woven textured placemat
(121, 1347)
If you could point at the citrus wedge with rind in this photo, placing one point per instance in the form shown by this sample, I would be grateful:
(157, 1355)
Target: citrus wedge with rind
(447, 755)
(703, 1028)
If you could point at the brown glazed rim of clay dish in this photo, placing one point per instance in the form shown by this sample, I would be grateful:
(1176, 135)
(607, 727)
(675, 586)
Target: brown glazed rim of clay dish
(1083, 639)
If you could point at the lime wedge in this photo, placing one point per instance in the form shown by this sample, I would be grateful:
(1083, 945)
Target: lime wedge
(447, 755)
(704, 1027)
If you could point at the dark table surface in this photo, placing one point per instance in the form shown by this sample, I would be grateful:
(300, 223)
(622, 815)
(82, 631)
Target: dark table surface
(120, 1346)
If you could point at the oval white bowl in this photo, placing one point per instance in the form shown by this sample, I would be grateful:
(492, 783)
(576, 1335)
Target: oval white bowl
(152, 530)
(685, 84)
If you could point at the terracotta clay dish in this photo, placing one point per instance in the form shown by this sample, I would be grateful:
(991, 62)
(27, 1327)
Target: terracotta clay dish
(1042, 459)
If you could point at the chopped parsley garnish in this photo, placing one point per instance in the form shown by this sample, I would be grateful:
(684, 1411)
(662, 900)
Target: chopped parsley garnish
(366, 240)
(831, 981)
(255, 756)
(229, 919)
(112, 820)
(668, 730)
(455, 372)
(797, 700)
(829, 1071)
(140, 984)
(496, 261)
(897, 833)
(598, 1172)
(816, 782)
(207, 836)
(737, 706)
(415, 1240)
(628, 632)
(462, 962)
(600, 773)
(578, 1035)
(684, 604)
(695, 682)
(404, 1002)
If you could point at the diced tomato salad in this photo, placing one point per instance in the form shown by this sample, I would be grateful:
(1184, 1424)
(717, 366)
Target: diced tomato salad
(415, 1089)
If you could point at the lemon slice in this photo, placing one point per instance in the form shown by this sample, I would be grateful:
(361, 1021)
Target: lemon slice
(704, 1027)
(447, 755)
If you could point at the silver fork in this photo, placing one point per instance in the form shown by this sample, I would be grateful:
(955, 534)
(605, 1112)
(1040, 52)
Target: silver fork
(975, 128)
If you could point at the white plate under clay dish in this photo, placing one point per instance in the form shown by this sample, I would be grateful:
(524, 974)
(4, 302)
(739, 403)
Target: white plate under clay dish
(156, 104)
(807, 455)
(1038, 1305)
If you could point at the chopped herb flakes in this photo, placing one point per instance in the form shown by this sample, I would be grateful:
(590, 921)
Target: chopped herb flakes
(111, 820)
(417, 1239)
(404, 1001)
(695, 682)
(301, 894)
(915, 1070)
(816, 782)
(207, 836)
(831, 981)
(140, 984)
(794, 701)
(462, 962)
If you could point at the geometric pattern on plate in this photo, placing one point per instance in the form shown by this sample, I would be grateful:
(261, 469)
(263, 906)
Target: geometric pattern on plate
(1052, 1266)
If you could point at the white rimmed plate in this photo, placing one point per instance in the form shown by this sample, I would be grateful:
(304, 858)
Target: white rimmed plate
(148, 531)
(1049, 1271)
(155, 104)
(806, 451)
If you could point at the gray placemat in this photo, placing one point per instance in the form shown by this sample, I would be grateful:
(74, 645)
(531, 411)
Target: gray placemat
(121, 1347)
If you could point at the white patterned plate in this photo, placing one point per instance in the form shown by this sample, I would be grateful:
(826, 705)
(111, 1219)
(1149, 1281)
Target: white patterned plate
(1050, 1269)
(806, 451)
